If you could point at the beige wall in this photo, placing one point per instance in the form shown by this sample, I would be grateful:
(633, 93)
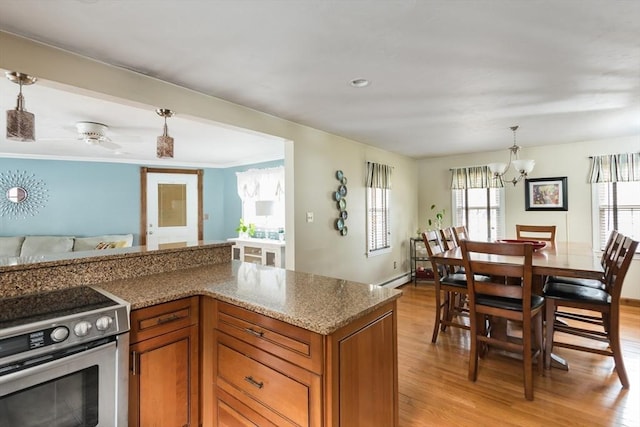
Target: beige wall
(570, 160)
(311, 161)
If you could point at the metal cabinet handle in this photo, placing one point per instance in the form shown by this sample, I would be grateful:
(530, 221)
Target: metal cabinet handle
(133, 363)
(253, 382)
(258, 334)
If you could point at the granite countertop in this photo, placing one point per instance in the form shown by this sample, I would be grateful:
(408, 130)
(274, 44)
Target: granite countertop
(317, 303)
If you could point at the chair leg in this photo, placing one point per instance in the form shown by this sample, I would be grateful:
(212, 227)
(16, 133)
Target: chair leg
(616, 348)
(539, 342)
(526, 359)
(473, 350)
(436, 325)
(446, 315)
(550, 315)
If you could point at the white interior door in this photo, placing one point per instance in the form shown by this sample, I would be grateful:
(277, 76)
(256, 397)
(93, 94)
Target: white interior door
(172, 209)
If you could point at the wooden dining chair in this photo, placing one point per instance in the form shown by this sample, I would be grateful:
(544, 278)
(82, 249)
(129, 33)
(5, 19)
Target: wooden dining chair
(602, 308)
(448, 287)
(460, 232)
(448, 238)
(610, 251)
(546, 233)
(493, 299)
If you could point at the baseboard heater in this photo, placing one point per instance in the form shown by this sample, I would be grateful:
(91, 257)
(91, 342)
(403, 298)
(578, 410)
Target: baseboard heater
(397, 281)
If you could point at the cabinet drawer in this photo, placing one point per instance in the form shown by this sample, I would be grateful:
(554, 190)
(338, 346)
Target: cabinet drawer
(281, 392)
(250, 250)
(233, 413)
(162, 318)
(297, 345)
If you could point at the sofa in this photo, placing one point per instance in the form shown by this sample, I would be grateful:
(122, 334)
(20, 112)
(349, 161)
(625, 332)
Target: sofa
(22, 246)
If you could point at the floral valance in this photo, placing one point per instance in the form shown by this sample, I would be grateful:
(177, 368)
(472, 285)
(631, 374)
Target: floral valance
(623, 167)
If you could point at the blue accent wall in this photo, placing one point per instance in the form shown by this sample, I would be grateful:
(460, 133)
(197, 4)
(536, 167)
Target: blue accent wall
(90, 198)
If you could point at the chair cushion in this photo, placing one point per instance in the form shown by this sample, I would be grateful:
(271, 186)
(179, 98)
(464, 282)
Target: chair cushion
(458, 279)
(591, 283)
(508, 303)
(10, 246)
(566, 291)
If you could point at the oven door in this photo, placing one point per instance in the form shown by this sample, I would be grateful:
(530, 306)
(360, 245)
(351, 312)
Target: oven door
(83, 389)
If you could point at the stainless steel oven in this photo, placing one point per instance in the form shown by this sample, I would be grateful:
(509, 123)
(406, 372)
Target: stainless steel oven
(64, 359)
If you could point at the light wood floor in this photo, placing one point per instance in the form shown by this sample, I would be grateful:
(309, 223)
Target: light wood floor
(435, 391)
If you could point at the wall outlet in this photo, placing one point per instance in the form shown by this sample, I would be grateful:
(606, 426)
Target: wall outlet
(206, 216)
(309, 216)
(395, 265)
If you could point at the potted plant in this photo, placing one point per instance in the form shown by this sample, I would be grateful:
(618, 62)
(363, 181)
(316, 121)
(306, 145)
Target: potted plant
(436, 221)
(246, 230)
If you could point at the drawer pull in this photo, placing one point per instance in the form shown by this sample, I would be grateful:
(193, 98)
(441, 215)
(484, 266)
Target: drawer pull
(163, 320)
(253, 382)
(258, 334)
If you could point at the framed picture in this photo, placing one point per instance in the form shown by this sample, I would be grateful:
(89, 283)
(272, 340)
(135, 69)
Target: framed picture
(546, 194)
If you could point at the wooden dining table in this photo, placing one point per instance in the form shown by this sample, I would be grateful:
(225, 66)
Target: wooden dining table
(572, 259)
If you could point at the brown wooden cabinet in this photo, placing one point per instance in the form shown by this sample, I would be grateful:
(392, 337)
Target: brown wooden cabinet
(261, 371)
(164, 370)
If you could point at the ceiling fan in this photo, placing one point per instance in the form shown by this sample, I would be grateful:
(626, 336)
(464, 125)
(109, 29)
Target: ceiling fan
(93, 133)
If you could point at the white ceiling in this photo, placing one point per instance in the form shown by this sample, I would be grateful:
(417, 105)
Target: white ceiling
(447, 76)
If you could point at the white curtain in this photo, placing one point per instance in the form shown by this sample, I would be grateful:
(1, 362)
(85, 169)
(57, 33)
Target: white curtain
(261, 184)
(624, 167)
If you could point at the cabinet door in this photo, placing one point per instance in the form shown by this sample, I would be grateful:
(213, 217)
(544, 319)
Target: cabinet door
(363, 381)
(163, 382)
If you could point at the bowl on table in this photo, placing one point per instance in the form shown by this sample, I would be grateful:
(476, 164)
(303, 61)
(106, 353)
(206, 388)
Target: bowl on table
(537, 244)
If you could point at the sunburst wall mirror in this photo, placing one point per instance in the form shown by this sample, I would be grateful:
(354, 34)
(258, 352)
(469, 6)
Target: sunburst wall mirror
(21, 194)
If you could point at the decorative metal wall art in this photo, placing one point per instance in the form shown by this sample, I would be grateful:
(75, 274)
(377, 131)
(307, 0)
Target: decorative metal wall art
(21, 194)
(340, 198)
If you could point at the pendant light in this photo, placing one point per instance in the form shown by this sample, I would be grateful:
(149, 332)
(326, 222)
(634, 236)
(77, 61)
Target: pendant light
(522, 167)
(164, 147)
(20, 123)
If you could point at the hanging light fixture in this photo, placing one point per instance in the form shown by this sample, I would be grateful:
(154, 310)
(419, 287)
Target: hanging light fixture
(21, 124)
(522, 167)
(164, 147)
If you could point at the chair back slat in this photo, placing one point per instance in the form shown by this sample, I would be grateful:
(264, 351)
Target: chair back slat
(460, 233)
(448, 238)
(615, 274)
(546, 233)
(433, 245)
(477, 260)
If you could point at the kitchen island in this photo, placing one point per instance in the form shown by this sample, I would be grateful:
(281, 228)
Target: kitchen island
(275, 347)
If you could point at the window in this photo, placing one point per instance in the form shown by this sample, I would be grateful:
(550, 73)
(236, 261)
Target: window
(617, 207)
(615, 180)
(262, 195)
(481, 210)
(378, 219)
(378, 186)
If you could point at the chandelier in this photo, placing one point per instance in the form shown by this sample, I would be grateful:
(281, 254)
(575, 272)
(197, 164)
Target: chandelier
(522, 167)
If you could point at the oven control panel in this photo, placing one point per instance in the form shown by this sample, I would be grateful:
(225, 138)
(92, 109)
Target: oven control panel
(63, 333)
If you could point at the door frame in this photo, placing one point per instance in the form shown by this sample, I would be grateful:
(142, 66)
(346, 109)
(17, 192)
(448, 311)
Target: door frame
(143, 197)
